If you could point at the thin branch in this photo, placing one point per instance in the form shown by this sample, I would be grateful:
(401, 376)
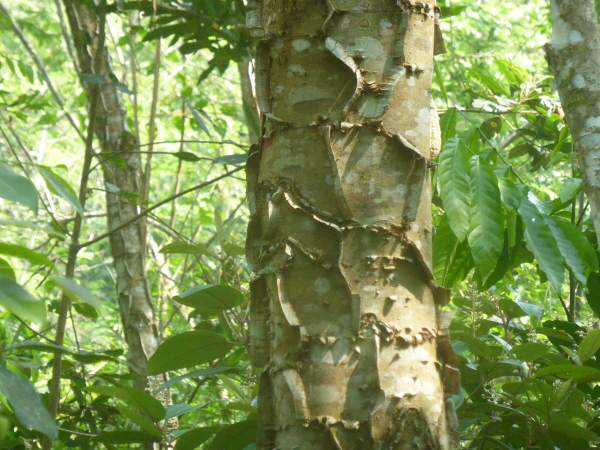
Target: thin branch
(157, 205)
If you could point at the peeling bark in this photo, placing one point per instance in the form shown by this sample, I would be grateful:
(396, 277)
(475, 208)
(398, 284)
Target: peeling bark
(346, 327)
(122, 174)
(573, 56)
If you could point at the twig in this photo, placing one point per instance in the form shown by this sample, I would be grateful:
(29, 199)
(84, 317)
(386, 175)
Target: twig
(157, 205)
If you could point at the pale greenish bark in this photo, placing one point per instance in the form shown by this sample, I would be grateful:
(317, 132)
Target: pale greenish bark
(573, 55)
(346, 328)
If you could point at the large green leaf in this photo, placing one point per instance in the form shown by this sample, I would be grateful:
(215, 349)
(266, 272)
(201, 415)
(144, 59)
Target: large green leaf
(184, 248)
(142, 401)
(455, 187)
(75, 291)
(20, 302)
(187, 350)
(18, 251)
(18, 189)
(589, 345)
(452, 260)
(210, 300)
(26, 403)
(570, 372)
(236, 436)
(568, 250)
(140, 420)
(486, 234)
(196, 437)
(541, 242)
(60, 187)
(581, 243)
(511, 196)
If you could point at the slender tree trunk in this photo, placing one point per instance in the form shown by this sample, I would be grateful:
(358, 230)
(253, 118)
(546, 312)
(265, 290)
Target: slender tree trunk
(573, 56)
(122, 171)
(345, 323)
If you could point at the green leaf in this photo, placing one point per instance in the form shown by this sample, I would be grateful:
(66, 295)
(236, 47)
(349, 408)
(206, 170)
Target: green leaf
(184, 248)
(489, 81)
(60, 187)
(568, 250)
(511, 309)
(198, 117)
(592, 292)
(448, 124)
(125, 437)
(26, 403)
(141, 401)
(452, 260)
(186, 156)
(234, 250)
(75, 291)
(455, 187)
(236, 436)
(486, 234)
(141, 421)
(86, 310)
(241, 406)
(18, 251)
(491, 127)
(18, 189)
(477, 346)
(530, 351)
(541, 242)
(210, 300)
(562, 424)
(511, 196)
(238, 158)
(570, 189)
(581, 243)
(589, 346)
(195, 373)
(20, 302)
(93, 78)
(6, 269)
(187, 350)
(570, 372)
(196, 437)
(180, 409)
(219, 227)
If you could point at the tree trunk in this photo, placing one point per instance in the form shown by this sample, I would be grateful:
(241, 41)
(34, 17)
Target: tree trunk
(248, 99)
(122, 174)
(573, 56)
(346, 330)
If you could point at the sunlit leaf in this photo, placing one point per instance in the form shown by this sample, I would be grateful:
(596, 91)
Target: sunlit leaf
(18, 189)
(589, 345)
(455, 185)
(18, 251)
(20, 302)
(76, 292)
(541, 242)
(60, 187)
(196, 437)
(486, 233)
(568, 250)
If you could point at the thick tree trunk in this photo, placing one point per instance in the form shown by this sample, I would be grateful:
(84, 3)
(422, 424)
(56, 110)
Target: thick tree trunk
(122, 173)
(573, 56)
(345, 323)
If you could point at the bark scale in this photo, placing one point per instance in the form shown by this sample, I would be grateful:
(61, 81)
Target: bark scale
(122, 172)
(573, 56)
(346, 328)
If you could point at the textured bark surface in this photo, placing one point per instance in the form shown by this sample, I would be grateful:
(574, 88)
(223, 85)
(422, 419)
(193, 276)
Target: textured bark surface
(122, 173)
(345, 322)
(573, 55)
